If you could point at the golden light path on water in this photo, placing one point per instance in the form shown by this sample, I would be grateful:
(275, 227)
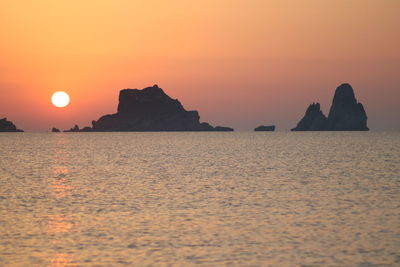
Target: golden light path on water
(59, 224)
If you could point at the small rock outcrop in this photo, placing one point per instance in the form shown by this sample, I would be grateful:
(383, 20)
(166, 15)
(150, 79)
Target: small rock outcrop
(313, 120)
(8, 126)
(223, 129)
(345, 114)
(55, 130)
(73, 129)
(150, 109)
(262, 128)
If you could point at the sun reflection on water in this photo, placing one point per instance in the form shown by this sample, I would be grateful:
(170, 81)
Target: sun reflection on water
(59, 185)
(58, 223)
(61, 260)
(60, 171)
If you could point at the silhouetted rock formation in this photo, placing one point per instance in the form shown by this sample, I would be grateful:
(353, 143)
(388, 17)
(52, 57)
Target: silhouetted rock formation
(346, 114)
(313, 120)
(8, 126)
(55, 130)
(150, 109)
(223, 129)
(74, 129)
(263, 128)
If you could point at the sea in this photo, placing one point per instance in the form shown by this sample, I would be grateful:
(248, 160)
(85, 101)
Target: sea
(200, 199)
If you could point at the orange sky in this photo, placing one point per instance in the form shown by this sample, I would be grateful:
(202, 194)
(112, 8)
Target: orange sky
(240, 63)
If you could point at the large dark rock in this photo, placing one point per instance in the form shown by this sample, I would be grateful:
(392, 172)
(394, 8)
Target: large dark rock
(313, 120)
(8, 126)
(262, 128)
(150, 109)
(345, 114)
(55, 130)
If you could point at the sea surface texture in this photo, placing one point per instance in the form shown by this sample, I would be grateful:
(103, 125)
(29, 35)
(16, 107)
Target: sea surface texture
(209, 199)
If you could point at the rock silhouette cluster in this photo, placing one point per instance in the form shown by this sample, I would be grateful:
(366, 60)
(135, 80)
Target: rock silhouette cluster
(263, 128)
(55, 130)
(345, 114)
(8, 126)
(149, 109)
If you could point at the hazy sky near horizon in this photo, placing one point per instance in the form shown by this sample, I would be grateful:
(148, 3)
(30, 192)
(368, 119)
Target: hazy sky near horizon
(239, 63)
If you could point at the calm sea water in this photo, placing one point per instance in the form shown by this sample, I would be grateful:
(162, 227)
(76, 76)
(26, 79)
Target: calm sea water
(181, 199)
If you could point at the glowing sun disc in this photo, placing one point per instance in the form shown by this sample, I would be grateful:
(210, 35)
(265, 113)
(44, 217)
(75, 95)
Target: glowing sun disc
(60, 99)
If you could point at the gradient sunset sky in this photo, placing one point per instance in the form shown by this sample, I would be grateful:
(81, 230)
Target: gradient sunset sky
(240, 63)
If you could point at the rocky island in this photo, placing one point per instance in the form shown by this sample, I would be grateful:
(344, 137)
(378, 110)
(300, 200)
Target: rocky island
(345, 114)
(8, 126)
(263, 128)
(149, 109)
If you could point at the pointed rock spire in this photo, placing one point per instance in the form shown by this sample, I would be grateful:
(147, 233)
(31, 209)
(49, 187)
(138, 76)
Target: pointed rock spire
(346, 114)
(313, 120)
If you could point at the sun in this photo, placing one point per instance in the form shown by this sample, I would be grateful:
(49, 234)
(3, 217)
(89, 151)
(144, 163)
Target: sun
(60, 99)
